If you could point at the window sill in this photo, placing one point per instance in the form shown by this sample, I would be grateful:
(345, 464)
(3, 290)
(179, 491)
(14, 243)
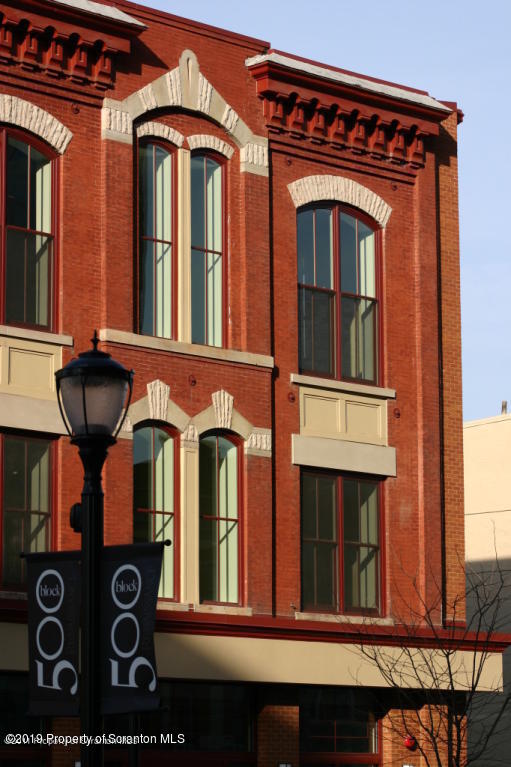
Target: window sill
(182, 607)
(345, 386)
(42, 336)
(359, 620)
(179, 347)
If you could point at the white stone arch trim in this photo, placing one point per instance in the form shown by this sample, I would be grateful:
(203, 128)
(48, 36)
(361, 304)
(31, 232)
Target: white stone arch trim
(205, 141)
(187, 88)
(158, 130)
(321, 188)
(23, 114)
(157, 406)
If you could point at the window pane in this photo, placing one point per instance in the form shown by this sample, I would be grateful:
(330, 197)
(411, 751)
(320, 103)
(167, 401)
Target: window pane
(14, 473)
(208, 560)
(358, 338)
(366, 260)
(227, 479)
(305, 244)
(218, 483)
(327, 502)
(316, 324)
(368, 577)
(198, 297)
(351, 571)
(214, 299)
(146, 287)
(153, 492)
(349, 282)
(326, 575)
(12, 564)
(142, 469)
(163, 194)
(40, 192)
(309, 516)
(38, 476)
(350, 510)
(17, 183)
(214, 204)
(323, 332)
(368, 513)
(146, 191)
(324, 260)
(26, 503)
(38, 255)
(308, 574)
(208, 476)
(163, 264)
(28, 267)
(163, 471)
(198, 201)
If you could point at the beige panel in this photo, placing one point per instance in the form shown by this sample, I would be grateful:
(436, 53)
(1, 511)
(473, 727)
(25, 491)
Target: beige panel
(280, 661)
(343, 455)
(190, 523)
(184, 330)
(277, 661)
(488, 535)
(365, 390)
(28, 367)
(30, 413)
(364, 420)
(343, 415)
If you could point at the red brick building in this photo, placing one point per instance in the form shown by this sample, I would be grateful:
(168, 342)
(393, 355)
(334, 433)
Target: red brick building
(272, 245)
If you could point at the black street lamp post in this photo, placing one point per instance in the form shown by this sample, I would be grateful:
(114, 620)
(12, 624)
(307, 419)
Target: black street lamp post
(92, 391)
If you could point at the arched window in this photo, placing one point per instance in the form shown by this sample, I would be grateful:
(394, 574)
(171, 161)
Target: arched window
(155, 493)
(28, 234)
(207, 255)
(219, 536)
(156, 310)
(337, 293)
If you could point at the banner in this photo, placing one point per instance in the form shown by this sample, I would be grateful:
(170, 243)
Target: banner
(129, 581)
(53, 584)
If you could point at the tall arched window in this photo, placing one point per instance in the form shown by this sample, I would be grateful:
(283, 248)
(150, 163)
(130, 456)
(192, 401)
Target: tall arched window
(207, 256)
(338, 293)
(156, 241)
(27, 231)
(219, 536)
(155, 493)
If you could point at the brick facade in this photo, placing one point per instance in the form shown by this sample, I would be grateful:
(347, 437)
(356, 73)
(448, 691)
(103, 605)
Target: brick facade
(291, 121)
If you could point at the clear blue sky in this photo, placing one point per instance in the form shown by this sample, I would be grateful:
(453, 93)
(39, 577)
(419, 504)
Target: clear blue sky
(457, 51)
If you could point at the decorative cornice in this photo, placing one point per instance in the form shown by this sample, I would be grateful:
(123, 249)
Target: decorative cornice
(159, 130)
(322, 188)
(67, 40)
(23, 114)
(223, 405)
(203, 141)
(158, 398)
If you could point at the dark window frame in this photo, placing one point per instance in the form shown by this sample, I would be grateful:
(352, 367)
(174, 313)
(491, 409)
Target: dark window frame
(337, 294)
(40, 146)
(342, 757)
(223, 163)
(176, 541)
(237, 441)
(339, 593)
(50, 531)
(172, 152)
